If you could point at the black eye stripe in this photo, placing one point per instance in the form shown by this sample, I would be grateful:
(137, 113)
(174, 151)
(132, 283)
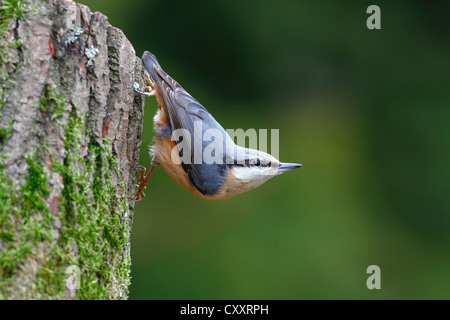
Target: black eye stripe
(250, 163)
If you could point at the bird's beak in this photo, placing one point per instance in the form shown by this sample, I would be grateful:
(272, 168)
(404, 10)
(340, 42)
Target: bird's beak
(288, 166)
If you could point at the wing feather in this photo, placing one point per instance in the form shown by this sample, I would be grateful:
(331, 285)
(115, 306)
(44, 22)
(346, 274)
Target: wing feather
(183, 110)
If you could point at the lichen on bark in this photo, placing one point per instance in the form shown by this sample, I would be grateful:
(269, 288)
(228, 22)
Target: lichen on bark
(70, 133)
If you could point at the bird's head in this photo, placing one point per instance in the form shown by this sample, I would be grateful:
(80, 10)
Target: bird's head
(255, 168)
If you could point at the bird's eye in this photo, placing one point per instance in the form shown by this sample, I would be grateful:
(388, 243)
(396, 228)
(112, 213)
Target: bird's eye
(256, 162)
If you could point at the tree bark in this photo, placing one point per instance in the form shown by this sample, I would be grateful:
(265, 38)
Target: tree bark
(70, 134)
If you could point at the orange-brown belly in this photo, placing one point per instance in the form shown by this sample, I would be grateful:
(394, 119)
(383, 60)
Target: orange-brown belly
(162, 154)
(161, 150)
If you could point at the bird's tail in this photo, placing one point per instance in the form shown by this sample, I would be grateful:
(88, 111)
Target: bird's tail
(149, 60)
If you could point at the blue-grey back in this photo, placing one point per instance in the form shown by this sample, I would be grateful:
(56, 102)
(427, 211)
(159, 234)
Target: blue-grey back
(185, 112)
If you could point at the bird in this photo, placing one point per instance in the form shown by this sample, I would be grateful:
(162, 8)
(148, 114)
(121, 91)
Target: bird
(236, 169)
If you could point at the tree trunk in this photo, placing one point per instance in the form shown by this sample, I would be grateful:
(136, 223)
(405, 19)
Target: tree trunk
(70, 134)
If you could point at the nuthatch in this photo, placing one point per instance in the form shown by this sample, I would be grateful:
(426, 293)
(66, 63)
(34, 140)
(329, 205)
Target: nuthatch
(239, 170)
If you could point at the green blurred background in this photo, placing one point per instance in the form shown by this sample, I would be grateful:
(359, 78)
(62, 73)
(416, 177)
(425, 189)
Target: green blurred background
(365, 111)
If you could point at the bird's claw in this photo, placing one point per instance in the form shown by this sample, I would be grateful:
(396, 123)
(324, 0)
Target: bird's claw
(150, 90)
(143, 181)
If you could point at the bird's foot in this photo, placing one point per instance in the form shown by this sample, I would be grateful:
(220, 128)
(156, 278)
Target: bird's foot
(143, 181)
(149, 90)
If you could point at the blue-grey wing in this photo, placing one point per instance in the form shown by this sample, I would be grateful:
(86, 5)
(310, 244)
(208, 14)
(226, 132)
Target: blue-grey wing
(183, 111)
